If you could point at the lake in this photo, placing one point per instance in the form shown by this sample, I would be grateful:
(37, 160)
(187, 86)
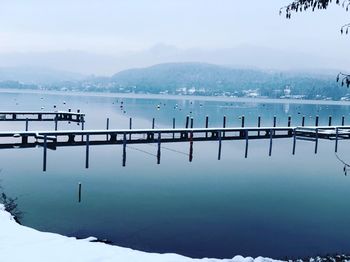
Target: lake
(279, 206)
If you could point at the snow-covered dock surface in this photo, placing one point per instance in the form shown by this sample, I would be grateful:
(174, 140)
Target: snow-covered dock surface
(20, 243)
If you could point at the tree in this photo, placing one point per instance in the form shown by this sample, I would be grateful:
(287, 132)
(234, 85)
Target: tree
(304, 5)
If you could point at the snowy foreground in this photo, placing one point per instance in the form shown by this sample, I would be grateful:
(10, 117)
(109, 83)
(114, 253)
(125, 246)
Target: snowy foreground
(20, 243)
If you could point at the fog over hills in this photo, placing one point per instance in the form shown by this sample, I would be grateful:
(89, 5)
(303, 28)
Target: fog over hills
(243, 56)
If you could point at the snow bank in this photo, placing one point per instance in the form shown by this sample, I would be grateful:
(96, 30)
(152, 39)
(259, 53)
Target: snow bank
(20, 243)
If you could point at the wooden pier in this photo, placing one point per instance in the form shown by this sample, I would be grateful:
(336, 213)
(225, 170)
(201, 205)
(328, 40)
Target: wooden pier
(54, 139)
(42, 116)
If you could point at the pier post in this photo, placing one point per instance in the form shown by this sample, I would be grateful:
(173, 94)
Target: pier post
(187, 121)
(174, 126)
(224, 125)
(259, 124)
(79, 192)
(56, 122)
(107, 126)
(294, 140)
(270, 149)
(206, 125)
(343, 120)
(289, 121)
(124, 149)
(159, 147)
(45, 153)
(316, 140)
(246, 144)
(87, 151)
(130, 127)
(303, 121)
(27, 124)
(336, 139)
(82, 128)
(219, 153)
(316, 121)
(274, 121)
(191, 147)
(191, 122)
(153, 122)
(330, 121)
(243, 121)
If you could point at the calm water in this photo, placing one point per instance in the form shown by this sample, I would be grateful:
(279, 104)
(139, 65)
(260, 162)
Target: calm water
(279, 206)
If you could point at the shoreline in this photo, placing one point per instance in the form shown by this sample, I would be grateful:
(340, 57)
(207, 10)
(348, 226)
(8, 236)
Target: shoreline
(178, 97)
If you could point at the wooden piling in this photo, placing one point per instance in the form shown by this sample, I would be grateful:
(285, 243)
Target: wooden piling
(336, 139)
(159, 147)
(153, 122)
(330, 121)
(246, 144)
(274, 121)
(187, 121)
(45, 153)
(27, 124)
(224, 125)
(289, 121)
(206, 125)
(270, 149)
(190, 156)
(56, 122)
(316, 140)
(174, 126)
(259, 124)
(316, 121)
(79, 192)
(130, 127)
(191, 122)
(343, 120)
(124, 149)
(303, 121)
(107, 126)
(87, 151)
(219, 153)
(294, 140)
(243, 121)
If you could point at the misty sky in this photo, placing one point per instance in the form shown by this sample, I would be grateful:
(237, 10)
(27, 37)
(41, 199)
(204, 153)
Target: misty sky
(114, 27)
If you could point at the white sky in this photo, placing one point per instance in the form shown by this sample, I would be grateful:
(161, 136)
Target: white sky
(116, 26)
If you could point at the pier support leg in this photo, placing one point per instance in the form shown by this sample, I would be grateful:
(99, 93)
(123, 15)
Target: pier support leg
(107, 127)
(246, 144)
(79, 192)
(174, 126)
(206, 125)
(124, 149)
(45, 153)
(270, 149)
(294, 141)
(316, 141)
(259, 124)
(27, 124)
(87, 151)
(191, 147)
(159, 147)
(219, 153)
(336, 139)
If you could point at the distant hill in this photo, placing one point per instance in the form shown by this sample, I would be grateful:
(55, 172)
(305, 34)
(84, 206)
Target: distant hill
(177, 75)
(37, 75)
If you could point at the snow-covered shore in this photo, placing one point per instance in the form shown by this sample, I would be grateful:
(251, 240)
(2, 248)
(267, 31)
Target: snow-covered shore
(20, 243)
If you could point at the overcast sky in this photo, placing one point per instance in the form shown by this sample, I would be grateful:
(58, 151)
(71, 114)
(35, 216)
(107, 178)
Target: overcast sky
(117, 26)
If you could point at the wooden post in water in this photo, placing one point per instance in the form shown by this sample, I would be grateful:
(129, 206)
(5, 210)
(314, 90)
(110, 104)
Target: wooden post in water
(259, 124)
(289, 121)
(294, 140)
(187, 121)
(153, 122)
(56, 122)
(82, 128)
(191, 122)
(224, 124)
(303, 121)
(219, 153)
(343, 120)
(270, 149)
(158, 151)
(45, 153)
(274, 121)
(246, 144)
(243, 120)
(130, 127)
(124, 149)
(330, 121)
(336, 139)
(174, 126)
(206, 125)
(87, 151)
(316, 121)
(107, 126)
(316, 140)
(191, 147)
(79, 192)
(27, 124)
